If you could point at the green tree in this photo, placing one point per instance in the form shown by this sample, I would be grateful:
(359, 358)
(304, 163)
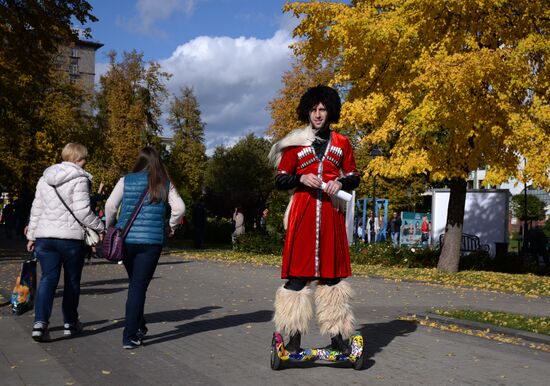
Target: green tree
(240, 176)
(129, 108)
(444, 87)
(38, 107)
(187, 158)
(535, 207)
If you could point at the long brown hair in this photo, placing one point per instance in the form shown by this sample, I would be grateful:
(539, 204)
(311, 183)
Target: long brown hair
(149, 160)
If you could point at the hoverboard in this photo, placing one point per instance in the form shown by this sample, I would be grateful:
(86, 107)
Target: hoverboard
(280, 355)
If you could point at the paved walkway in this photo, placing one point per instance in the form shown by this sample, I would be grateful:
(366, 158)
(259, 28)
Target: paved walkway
(209, 324)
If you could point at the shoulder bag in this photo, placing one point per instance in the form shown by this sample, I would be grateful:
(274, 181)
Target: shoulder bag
(114, 238)
(91, 237)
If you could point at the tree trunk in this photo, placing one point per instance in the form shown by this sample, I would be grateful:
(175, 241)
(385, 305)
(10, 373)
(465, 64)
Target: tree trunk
(449, 258)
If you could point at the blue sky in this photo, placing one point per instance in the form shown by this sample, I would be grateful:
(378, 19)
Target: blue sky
(232, 52)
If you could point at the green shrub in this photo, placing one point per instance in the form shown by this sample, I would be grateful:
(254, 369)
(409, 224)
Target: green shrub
(259, 242)
(218, 231)
(387, 255)
(477, 261)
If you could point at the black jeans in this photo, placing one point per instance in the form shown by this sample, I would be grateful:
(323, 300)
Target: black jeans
(298, 283)
(140, 261)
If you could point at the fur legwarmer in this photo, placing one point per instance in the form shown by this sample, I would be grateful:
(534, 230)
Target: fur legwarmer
(334, 312)
(293, 310)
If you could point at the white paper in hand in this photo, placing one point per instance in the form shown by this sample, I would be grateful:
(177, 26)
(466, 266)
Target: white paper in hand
(341, 194)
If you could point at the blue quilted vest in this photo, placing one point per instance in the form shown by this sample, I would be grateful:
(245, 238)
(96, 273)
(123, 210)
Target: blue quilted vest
(148, 227)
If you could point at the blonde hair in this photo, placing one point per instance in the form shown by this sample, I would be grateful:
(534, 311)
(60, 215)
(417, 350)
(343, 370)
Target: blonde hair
(74, 152)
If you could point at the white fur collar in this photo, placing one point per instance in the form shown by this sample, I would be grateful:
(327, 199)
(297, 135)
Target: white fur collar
(298, 137)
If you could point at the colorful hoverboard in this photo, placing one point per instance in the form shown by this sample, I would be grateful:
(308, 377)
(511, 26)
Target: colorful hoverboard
(279, 354)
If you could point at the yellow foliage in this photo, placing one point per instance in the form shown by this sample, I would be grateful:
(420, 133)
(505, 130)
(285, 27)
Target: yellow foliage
(445, 87)
(132, 92)
(295, 82)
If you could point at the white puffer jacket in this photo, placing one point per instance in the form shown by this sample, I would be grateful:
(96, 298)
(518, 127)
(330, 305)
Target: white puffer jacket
(49, 217)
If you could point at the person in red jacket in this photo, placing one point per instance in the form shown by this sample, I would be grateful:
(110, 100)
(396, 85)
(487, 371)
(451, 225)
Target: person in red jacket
(315, 163)
(425, 231)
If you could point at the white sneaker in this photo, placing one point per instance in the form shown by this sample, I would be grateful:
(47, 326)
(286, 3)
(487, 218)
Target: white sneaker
(72, 329)
(40, 332)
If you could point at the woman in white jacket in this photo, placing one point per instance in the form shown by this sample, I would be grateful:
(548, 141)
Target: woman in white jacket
(58, 239)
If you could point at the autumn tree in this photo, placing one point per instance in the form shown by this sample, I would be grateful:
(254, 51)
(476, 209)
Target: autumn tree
(39, 108)
(443, 87)
(188, 154)
(129, 108)
(239, 176)
(295, 82)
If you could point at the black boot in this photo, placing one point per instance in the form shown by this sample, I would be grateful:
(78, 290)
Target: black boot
(337, 343)
(294, 342)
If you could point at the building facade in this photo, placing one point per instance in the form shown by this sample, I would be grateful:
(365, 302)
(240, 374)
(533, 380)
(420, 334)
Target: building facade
(79, 62)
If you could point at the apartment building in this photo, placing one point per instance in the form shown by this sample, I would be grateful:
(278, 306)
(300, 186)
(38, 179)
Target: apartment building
(79, 62)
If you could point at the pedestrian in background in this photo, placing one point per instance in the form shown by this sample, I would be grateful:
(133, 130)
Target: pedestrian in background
(8, 218)
(360, 232)
(199, 224)
(144, 242)
(372, 228)
(380, 229)
(395, 228)
(238, 219)
(22, 209)
(425, 231)
(94, 200)
(57, 238)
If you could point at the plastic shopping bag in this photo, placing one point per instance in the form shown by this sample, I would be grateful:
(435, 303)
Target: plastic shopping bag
(22, 297)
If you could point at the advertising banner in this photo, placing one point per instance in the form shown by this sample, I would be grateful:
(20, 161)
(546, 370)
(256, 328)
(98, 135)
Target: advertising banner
(415, 229)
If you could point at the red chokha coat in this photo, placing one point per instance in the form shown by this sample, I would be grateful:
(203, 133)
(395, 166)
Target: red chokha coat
(316, 244)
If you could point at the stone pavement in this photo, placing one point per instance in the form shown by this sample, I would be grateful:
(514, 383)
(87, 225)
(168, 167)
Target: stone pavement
(209, 324)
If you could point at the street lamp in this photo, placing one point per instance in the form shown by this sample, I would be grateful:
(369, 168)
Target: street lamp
(525, 226)
(376, 152)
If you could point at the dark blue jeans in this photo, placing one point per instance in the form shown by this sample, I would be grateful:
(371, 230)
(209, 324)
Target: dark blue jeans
(140, 261)
(52, 255)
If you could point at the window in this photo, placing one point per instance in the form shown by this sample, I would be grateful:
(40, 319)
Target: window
(74, 52)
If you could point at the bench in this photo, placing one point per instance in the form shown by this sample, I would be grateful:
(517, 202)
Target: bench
(468, 244)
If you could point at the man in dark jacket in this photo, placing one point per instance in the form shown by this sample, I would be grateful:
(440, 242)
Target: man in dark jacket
(395, 227)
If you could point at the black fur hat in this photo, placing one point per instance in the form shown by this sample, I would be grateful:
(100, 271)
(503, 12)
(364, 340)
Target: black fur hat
(320, 94)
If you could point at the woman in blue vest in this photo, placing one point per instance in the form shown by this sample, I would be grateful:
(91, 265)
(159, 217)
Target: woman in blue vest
(144, 241)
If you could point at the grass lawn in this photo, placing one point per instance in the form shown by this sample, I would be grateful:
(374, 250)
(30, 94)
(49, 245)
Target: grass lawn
(524, 284)
(536, 324)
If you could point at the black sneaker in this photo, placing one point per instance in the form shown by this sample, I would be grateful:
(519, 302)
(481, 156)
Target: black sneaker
(132, 343)
(294, 343)
(40, 332)
(72, 329)
(141, 332)
(337, 343)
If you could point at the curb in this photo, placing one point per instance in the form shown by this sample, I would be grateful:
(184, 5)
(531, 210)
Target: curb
(525, 335)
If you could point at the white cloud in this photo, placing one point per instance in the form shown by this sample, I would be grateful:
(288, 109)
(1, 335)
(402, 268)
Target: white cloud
(233, 79)
(100, 69)
(149, 12)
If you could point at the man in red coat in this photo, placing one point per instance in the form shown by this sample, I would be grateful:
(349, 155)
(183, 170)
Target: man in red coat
(315, 163)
